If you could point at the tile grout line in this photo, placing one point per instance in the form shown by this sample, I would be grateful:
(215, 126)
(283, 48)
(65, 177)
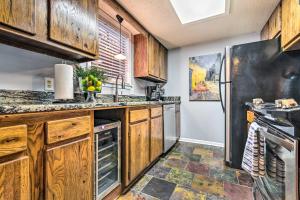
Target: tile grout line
(186, 157)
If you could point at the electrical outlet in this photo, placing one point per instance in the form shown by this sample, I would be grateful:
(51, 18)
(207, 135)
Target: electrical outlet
(49, 84)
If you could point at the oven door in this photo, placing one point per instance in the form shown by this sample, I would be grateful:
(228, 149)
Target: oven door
(281, 160)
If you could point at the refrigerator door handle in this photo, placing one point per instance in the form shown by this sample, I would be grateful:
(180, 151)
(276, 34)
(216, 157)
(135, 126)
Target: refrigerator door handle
(220, 84)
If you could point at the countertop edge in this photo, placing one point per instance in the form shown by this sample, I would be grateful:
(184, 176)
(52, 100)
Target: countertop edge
(36, 108)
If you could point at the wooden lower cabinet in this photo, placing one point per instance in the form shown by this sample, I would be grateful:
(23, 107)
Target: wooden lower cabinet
(32, 169)
(143, 142)
(69, 171)
(156, 147)
(138, 148)
(14, 179)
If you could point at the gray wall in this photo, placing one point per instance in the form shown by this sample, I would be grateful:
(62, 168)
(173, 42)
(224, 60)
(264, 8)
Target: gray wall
(200, 120)
(25, 70)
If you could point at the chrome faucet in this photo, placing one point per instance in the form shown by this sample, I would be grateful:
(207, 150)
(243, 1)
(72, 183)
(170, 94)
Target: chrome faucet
(116, 97)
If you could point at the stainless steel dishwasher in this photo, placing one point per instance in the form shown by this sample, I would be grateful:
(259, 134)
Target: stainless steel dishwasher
(170, 137)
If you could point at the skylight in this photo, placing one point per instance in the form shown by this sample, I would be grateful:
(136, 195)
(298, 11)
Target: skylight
(194, 10)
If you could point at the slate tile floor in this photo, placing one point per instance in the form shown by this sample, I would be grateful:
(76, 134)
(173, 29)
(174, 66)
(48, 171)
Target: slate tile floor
(192, 172)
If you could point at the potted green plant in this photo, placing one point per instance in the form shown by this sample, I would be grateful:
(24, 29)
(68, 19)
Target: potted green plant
(90, 80)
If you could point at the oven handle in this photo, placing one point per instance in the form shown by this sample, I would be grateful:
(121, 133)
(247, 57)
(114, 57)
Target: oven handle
(278, 140)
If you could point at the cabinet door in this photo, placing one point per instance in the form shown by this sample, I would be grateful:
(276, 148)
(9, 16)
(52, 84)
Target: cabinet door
(69, 171)
(290, 33)
(18, 14)
(156, 138)
(74, 23)
(164, 63)
(153, 57)
(14, 180)
(264, 34)
(138, 148)
(275, 23)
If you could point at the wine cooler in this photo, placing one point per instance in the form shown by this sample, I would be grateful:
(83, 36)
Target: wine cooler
(107, 157)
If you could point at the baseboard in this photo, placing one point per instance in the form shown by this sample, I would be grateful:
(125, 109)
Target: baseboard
(217, 144)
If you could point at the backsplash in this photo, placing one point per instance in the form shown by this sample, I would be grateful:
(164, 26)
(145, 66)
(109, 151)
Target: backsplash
(25, 70)
(23, 97)
(40, 97)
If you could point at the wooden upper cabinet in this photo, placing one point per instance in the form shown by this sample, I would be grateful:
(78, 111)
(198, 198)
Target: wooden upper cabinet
(62, 28)
(18, 14)
(272, 28)
(290, 34)
(150, 58)
(153, 57)
(14, 179)
(74, 23)
(69, 171)
(138, 148)
(163, 63)
(264, 34)
(140, 56)
(275, 23)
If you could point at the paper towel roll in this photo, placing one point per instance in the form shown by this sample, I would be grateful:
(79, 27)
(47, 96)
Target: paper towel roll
(63, 81)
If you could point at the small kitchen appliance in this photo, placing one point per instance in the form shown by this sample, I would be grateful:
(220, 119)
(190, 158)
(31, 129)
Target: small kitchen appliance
(154, 93)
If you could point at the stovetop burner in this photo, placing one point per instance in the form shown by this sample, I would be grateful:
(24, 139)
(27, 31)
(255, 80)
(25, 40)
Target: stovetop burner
(286, 120)
(271, 107)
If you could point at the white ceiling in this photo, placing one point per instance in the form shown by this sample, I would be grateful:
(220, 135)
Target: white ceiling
(159, 18)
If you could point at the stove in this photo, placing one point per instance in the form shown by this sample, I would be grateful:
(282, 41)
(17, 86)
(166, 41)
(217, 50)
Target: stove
(286, 120)
(281, 137)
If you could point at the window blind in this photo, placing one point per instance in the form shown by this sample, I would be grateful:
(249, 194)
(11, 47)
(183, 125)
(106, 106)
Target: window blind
(109, 46)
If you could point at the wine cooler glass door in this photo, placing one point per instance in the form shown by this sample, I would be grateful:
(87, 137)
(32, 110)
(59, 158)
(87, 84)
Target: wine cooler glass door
(107, 158)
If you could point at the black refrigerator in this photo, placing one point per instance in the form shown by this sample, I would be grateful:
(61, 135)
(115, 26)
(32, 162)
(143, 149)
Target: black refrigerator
(254, 70)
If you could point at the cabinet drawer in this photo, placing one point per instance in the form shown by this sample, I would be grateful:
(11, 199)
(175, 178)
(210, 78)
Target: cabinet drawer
(155, 112)
(138, 115)
(13, 139)
(60, 130)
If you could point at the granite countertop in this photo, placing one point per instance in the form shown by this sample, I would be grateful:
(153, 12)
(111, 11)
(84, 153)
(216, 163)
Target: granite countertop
(15, 101)
(43, 107)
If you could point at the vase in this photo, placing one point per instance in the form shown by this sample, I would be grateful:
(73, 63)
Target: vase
(90, 97)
